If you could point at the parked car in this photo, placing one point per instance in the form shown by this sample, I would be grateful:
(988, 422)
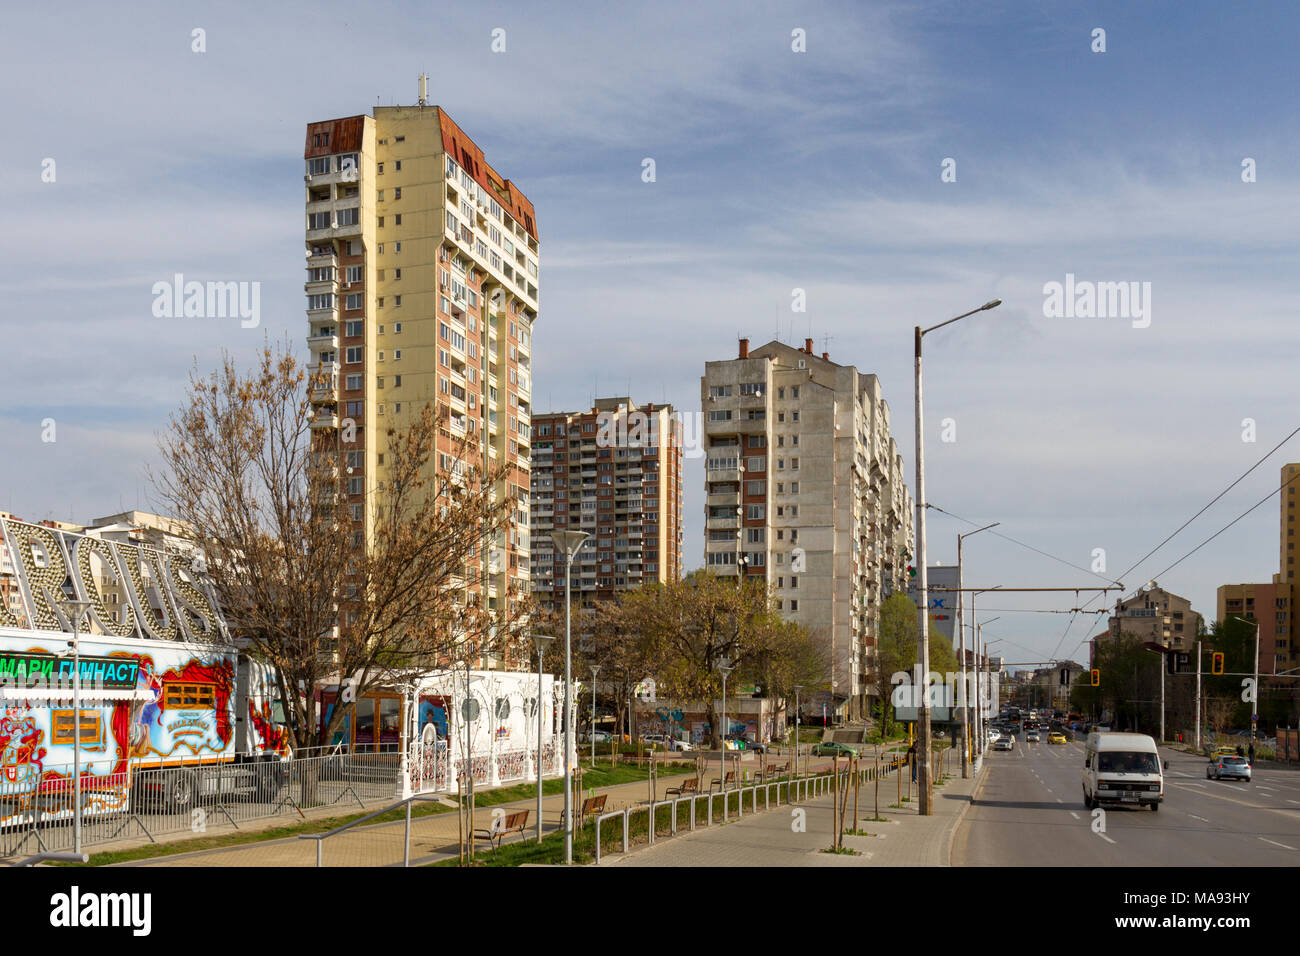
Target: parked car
(664, 741)
(599, 737)
(755, 746)
(832, 747)
(1232, 767)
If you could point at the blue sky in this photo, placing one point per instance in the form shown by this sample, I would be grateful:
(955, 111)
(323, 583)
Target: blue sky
(775, 170)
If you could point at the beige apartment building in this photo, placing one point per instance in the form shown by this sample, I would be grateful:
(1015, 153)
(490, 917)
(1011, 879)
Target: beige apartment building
(1156, 615)
(422, 288)
(805, 489)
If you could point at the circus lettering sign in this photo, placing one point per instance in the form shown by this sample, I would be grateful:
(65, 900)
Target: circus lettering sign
(159, 594)
(45, 670)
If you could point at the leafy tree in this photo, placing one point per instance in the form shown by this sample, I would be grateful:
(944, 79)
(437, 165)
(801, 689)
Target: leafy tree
(688, 626)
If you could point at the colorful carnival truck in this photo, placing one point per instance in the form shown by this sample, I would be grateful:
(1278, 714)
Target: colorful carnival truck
(170, 712)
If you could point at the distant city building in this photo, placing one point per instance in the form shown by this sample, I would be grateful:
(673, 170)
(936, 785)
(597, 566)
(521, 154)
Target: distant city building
(1272, 604)
(1158, 616)
(616, 473)
(805, 489)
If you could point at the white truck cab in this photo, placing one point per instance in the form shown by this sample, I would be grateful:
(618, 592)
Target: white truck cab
(1122, 769)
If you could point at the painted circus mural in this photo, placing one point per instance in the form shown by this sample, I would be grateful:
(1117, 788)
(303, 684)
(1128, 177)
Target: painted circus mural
(157, 675)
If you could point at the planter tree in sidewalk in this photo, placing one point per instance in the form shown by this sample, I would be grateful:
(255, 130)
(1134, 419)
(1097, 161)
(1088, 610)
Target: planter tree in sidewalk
(300, 581)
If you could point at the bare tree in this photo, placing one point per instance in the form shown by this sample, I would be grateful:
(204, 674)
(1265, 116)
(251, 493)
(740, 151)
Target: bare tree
(320, 596)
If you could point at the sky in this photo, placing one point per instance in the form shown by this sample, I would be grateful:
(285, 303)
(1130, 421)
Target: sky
(909, 163)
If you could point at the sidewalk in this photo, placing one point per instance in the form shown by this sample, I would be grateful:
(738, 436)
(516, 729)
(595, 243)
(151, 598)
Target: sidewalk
(772, 838)
(433, 838)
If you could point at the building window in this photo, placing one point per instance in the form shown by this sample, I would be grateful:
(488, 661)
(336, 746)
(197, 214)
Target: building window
(91, 727)
(190, 696)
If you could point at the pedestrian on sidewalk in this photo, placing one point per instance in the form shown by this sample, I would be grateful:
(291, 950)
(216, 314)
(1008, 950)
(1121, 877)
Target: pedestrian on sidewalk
(911, 758)
(1252, 753)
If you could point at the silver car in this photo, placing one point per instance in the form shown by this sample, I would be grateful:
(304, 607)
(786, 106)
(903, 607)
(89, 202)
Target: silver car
(1004, 743)
(1234, 768)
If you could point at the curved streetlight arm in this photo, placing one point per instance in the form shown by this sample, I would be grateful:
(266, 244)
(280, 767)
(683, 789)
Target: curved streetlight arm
(983, 308)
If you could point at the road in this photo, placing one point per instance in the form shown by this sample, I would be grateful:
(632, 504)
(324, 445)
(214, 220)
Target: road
(1029, 812)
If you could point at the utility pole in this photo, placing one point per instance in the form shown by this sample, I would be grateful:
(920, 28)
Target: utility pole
(1198, 696)
(961, 630)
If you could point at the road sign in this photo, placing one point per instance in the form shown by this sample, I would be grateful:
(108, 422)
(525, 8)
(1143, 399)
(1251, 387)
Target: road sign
(1254, 718)
(469, 709)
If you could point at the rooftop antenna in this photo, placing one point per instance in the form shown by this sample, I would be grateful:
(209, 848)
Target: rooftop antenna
(424, 89)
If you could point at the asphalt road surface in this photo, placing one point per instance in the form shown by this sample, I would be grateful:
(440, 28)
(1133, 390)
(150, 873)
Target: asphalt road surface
(1029, 811)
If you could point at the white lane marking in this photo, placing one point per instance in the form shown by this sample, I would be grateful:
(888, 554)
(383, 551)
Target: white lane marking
(1275, 843)
(1059, 800)
(1192, 785)
(1195, 817)
(1289, 800)
(1106, 838)
(1073, 814)
(1260, 786)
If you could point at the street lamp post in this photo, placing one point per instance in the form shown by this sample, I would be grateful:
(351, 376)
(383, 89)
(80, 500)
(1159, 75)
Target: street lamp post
(541, 642)
(724, 668)
(981, 665)
(569, 542)
(595, 669)
(76, 610)
(961, 631)
(923, 617)
(1254, 697)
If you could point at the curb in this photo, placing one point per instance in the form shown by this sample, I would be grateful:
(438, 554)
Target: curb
(981, 775)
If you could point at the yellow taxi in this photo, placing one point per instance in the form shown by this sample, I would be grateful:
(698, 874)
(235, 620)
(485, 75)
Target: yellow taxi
(1056, 737)
(1223, 752)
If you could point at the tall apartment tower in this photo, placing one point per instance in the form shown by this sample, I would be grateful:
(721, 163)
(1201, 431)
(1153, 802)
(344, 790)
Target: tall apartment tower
(615, 472)
(805, 488)
(422, 274)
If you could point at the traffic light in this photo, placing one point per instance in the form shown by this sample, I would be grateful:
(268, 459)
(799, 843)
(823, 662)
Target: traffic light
(1096, 677)
(911, 571)
(1216, 662)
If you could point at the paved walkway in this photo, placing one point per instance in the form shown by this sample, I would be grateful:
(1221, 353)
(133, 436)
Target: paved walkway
(774, 837)
(433, 838)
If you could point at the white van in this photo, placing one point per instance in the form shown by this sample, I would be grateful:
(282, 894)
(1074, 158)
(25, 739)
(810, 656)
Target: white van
(1123, 769)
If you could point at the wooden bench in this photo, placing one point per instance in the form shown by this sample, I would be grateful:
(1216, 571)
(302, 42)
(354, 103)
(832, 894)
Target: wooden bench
(777, 771)
(515, 822)
(689, 786)
(592, 806)
(730, 781)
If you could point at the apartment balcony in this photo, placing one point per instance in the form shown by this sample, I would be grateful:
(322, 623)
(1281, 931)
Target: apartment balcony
(320, 286)
(720, 523)
(326, 419)
(330, 341)
(325, 387)
(723, 498)
(733, 475)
